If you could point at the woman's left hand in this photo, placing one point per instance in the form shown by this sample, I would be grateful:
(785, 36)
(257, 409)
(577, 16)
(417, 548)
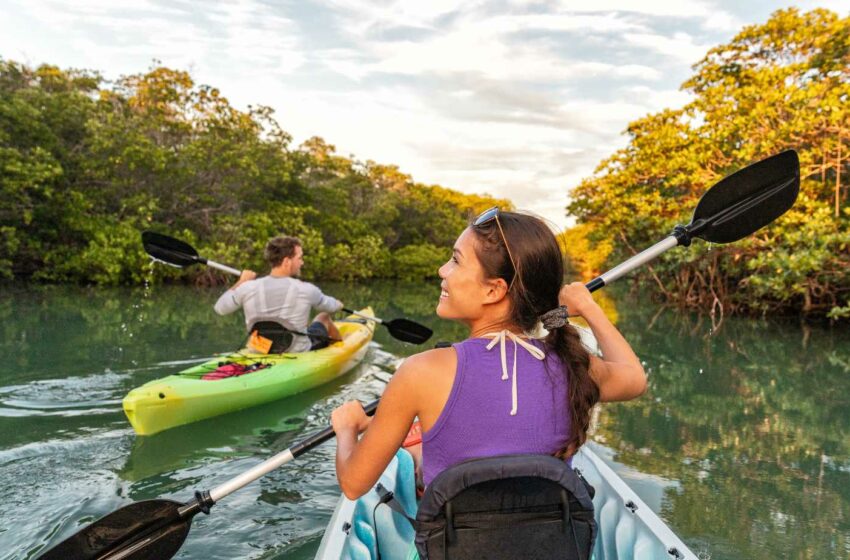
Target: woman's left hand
(350, 417)
(577, 299)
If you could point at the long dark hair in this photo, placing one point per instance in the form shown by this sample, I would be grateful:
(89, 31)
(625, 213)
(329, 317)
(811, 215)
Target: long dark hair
(539, 277)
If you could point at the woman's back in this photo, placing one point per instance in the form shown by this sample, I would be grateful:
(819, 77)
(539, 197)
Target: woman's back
(477, 419)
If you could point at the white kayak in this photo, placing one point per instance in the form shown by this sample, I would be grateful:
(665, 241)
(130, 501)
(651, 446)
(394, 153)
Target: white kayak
(628, 528)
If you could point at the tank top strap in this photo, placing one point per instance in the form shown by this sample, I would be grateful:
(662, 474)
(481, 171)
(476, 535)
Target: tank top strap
(499, 338)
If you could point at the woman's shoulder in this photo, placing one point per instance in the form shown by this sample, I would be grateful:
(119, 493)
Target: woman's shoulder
(430, 360)
(427, 375)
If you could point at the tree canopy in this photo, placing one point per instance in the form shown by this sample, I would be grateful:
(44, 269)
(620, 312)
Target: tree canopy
(86, 165)
(779, 85)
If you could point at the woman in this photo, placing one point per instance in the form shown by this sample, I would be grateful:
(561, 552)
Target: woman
(499, 391)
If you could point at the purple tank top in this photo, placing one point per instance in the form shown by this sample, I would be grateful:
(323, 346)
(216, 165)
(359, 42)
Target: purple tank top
(476, 420)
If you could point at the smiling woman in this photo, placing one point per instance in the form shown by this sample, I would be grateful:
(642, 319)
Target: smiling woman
(505, 272)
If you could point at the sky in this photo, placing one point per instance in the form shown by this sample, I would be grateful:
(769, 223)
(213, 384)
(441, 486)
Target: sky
(516, 99)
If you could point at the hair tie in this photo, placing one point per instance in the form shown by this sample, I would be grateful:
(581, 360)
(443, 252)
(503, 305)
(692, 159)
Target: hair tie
(555, 318)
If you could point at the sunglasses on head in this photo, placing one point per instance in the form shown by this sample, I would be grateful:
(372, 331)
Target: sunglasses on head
(488, 216)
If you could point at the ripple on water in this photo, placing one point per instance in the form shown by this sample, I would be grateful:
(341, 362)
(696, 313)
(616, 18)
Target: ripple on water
(71, 396)
(57, 485)
(284, 510)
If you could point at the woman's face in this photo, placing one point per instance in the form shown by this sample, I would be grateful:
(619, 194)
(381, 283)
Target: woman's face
(464, 288)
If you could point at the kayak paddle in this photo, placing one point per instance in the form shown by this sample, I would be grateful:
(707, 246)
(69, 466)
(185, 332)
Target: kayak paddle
(735, 207)
(732, 209)
(177, 253)
(174, 252)
(402, 329)
(156, 529)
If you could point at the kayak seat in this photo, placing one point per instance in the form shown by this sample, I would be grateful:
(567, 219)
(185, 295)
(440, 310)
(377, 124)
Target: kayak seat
(280, 336)
(507, 507)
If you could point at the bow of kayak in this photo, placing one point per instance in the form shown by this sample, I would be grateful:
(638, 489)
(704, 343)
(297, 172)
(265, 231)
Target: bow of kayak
(185, 397)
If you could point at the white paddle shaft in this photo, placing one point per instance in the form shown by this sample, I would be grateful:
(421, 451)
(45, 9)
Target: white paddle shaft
(640, 259)
(366, 317)
(224, 268)
(251, 475)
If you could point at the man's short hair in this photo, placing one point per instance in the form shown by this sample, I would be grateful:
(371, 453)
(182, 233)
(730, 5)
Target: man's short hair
(280, 248)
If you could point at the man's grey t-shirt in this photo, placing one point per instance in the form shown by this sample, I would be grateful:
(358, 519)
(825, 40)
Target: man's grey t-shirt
(283, 297)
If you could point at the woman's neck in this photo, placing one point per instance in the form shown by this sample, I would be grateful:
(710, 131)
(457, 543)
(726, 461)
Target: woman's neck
(479, 328)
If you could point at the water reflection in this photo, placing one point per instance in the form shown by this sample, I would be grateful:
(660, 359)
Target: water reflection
(741, 442)
(752, 421)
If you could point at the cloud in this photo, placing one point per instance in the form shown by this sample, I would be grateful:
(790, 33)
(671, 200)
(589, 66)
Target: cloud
(680, 46)
(518, 98)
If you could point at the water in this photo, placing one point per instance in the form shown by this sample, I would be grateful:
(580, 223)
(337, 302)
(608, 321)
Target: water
(741, 444)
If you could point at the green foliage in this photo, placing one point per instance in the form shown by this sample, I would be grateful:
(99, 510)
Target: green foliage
(415, 262)
(780, 85)
(85, 166)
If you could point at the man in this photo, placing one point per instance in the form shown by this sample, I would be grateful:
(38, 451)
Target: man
(284, 298)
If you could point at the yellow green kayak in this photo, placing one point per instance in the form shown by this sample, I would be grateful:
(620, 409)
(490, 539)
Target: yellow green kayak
(186, 397)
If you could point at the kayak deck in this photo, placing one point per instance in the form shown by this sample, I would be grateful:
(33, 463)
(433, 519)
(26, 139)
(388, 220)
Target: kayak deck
(184, 397)
(628, 528)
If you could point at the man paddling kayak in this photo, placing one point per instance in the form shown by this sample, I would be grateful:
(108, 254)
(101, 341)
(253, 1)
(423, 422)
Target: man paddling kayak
(283, 298)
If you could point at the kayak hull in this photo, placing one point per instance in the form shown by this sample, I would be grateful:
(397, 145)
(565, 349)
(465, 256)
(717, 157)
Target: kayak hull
(628, 528)
(184, 397)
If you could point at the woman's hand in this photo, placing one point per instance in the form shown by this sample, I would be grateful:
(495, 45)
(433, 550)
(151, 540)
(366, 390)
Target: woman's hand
(577, 299)
(350, 417)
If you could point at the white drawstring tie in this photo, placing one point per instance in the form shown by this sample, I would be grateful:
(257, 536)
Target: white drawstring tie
(499, 337)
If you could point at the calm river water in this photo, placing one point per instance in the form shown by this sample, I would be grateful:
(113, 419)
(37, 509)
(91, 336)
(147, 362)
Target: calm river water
(742, 443)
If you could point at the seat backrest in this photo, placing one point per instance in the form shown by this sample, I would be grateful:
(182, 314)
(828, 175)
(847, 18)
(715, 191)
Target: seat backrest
(275, 331)
(513, 506)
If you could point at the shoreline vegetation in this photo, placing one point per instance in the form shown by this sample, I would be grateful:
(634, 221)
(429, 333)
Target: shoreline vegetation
(86, 164)
(784, 84)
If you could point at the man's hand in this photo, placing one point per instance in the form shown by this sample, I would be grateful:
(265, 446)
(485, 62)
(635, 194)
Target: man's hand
(244, 277)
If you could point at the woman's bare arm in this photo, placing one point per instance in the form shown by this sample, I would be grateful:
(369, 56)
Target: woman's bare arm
(420, 387)
(619, 373)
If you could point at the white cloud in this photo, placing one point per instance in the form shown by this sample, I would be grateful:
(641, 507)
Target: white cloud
(520, 99)
(680, 46)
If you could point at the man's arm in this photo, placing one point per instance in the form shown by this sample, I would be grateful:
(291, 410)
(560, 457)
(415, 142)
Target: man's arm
(320, 301)
(230, 300)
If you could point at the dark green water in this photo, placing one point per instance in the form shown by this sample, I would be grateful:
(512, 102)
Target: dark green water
(742, 443)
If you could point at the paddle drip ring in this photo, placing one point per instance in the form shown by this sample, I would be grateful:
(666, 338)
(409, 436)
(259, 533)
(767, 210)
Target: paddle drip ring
(204, 500)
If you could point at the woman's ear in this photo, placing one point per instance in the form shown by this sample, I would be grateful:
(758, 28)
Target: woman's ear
(496, 290)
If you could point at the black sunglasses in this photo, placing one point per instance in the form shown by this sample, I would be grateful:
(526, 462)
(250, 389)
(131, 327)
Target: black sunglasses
(488, 216)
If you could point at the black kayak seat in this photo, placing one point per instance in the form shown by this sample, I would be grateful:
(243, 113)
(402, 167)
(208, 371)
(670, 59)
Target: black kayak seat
(275, 331)
(507, 507)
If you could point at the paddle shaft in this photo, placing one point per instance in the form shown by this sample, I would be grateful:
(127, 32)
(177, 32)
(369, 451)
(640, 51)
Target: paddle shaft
(632, 263)
(280, 459)
(219, 266)
(358, 314)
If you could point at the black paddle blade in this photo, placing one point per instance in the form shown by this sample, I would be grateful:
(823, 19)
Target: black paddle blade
(747, 200)
(408, 331)
(152, 529)
(169, 250)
